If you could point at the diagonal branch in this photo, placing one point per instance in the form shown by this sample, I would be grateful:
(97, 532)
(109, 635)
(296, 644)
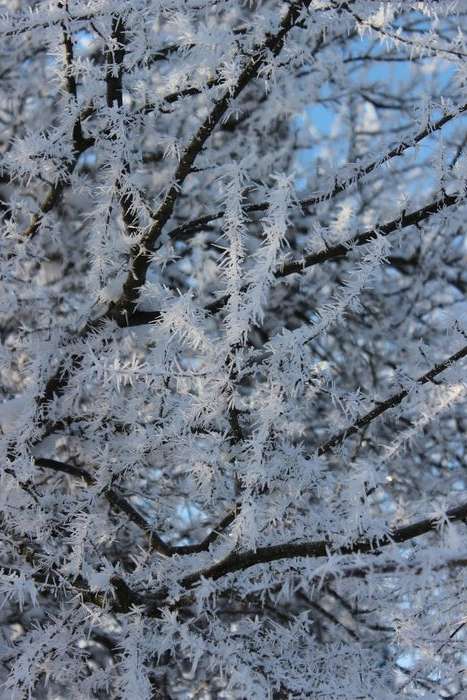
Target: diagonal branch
(240, 561)
(389, 403)
(402, 221)
(186, 230)
(399, 39)
(115, 499)
(138, 318)
(118, 502)
(141, 254)
(342, 249)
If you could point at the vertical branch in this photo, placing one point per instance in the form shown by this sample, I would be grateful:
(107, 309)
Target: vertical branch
(71, 80)
(80, 143)
(114, 56)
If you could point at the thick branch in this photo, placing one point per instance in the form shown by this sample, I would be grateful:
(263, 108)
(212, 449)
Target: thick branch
(240, 561)
(115, 55)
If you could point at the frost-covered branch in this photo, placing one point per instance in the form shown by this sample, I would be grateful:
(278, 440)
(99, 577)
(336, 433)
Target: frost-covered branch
(187, 230)
(232, 349)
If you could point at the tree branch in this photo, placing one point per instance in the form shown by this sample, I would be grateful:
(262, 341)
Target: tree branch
(80, 143)
(185, 230)
(118, 502)
(390, 402)
(113, 497)
(138, 318)
(342, 249)
(141, 254)
(240, 561)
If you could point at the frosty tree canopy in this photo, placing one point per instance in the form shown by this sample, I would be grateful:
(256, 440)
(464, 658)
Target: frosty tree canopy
(234, 341)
